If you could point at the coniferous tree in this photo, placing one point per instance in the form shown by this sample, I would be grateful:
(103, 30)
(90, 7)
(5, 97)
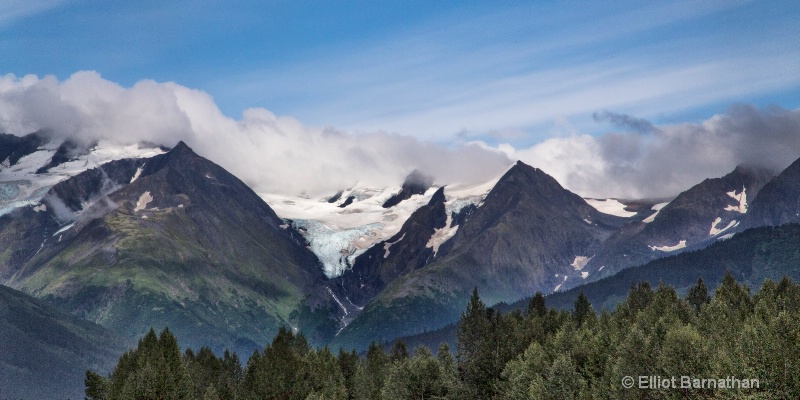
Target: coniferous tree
(324, 376)
(280, 369)
(582, 309)
(348, 364)
(567, 355)
(536, 306)
(372, 373)
(639, 297)
(155, 369)
(95, 386)
(475, 356)
(698, 295)
(399, 351)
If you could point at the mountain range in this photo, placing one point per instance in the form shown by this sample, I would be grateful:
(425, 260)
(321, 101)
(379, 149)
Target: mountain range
(131, 237)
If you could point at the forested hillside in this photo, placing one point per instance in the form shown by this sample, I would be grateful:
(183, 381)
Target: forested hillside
(729, 345)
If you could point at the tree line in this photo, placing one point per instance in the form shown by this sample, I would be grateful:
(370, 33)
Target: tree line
(538, 353)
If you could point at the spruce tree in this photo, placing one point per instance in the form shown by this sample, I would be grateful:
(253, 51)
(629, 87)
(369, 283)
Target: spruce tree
(476, 361)
(536, 306)
(582, 309)
(698, 295)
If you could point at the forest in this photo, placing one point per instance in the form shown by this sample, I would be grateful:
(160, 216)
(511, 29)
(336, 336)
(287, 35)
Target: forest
(726, 345)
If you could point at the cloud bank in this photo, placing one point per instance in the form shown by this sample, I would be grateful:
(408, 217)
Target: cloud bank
(281, 155)
(644, 160)
(269, 153)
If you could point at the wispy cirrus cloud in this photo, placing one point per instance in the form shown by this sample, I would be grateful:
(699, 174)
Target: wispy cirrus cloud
(520, 68)
(14, 10)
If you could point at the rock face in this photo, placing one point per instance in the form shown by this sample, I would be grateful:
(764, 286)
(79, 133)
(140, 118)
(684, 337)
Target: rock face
(12, 147)
(175, 240)
(778, 202)
(401, 254)
(529, 234)
(415, 183)
(170, 240)
(696, 218)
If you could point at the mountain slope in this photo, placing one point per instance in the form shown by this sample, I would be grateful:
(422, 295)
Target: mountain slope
(387, 260)
(696, 218)
(529, 234)
(172, 240)
(44, 352)
(751, 257)
(779, 201)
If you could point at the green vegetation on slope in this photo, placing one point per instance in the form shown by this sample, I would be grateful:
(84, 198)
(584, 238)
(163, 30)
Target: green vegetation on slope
(751, 256)
(735, 345)
(44, 352)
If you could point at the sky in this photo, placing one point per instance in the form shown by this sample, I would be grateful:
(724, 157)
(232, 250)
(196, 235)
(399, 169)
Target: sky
(614, 99)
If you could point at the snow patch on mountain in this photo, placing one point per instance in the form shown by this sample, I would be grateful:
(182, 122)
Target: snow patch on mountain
(716, 231)
(560, 284)
(442, 235)
(741, 197)
(143, 201)
(657, 208)
(611, 207)
(580, 262)
(388, 245)
(680, 245)
(21, 186)
(137, 174)
(63, 229)
(338, 235)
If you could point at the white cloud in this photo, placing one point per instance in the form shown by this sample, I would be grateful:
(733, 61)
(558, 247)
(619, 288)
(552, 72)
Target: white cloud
(282, 155)
(671, 159)
(268, 152)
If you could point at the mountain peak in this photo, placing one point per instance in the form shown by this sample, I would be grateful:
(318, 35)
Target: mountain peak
(778, 202)
(525, 172)
(180, 155)
(182, 149)
(416, 183)
(438, 197)
(416, 177)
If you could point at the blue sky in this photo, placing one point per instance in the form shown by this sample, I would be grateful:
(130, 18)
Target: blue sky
(506, 71)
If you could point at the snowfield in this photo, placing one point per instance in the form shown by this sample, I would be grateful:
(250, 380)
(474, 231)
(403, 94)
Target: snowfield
(21, 186)
(655, 208)
(740, 197)
(681, 244)
(338, 235)
(610, 206)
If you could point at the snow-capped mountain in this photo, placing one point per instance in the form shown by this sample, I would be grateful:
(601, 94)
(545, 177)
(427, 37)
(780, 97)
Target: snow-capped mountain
(34, 163)
(171, 240)
(709, 211)
(103, 230)
(342, 227)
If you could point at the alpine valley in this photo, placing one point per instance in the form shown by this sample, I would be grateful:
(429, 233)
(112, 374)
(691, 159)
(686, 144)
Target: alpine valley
(99, 242)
